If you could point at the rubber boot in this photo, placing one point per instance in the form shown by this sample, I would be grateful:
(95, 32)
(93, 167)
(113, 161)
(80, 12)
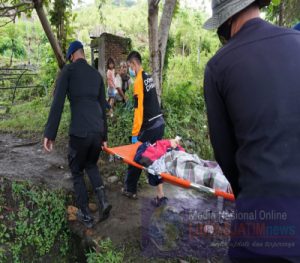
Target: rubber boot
(84, 216)
(104, 206)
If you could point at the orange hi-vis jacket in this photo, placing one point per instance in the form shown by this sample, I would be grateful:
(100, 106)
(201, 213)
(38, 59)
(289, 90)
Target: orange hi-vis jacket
(147, 108)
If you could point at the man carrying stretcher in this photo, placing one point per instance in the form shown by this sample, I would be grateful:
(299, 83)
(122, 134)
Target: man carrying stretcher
(148, 124)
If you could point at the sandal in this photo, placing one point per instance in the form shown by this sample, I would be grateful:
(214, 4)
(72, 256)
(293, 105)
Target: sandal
(129, 194)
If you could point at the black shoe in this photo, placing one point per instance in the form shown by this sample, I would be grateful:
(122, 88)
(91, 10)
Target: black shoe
(157, 202)
(104, 206)
(85, 218)
(129, 194)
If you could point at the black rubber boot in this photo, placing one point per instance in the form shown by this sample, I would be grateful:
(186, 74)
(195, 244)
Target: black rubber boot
(104, 206)
(84, 216)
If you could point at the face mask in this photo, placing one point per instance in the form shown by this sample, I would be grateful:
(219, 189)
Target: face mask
(131, 73)
(224, 32)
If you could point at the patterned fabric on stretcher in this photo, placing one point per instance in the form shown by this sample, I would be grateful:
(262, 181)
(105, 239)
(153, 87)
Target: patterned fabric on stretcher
(161, 157)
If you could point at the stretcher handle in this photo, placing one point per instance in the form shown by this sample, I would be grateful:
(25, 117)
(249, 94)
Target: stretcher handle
(224, 194)
(108, 150)
(175, 180)
(130, 162)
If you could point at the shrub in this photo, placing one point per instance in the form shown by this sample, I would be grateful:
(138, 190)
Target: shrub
(34, 224)
(105, 252)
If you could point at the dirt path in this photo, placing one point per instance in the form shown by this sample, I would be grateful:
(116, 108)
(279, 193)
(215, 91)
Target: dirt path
(131, 221)
(24, 159)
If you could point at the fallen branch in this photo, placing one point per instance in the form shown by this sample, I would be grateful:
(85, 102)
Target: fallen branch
(25, 144)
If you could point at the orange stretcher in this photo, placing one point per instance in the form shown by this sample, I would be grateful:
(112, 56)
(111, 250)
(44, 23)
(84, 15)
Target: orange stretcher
(127, 152)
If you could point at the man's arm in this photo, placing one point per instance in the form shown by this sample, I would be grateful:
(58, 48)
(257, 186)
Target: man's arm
(139, 107)
(221, 129)
(57, 105)
(103, 107)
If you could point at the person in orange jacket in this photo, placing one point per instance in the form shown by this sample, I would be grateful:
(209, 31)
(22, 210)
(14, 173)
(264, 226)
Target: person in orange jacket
(148, 124)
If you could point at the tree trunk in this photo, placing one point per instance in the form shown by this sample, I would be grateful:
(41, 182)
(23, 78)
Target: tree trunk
(64, 37)
(153, 43)
(281, 14)
(12, 53)
(47, 28)
(164, 28)
(158, 38)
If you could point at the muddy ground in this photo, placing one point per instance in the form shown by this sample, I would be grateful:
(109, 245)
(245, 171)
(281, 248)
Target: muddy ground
(186, 227)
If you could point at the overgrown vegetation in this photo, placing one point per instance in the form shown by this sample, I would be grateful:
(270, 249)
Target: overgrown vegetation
(32, 116)
(33, 223)
(32, 219)
(189, 48)
(105, 252)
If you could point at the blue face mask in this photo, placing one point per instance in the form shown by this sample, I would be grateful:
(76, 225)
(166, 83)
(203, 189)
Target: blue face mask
(131, 73)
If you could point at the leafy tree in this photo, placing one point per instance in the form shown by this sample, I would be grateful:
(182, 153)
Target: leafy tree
(10, 9)
(12, 43)
(38, 5)
(284, 13)
(60, 17)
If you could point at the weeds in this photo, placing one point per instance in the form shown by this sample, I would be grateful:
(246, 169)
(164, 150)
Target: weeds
(37, 222)
(105, 252)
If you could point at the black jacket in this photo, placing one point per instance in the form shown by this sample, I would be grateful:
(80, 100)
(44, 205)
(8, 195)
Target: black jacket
(86, 92)
(252, 92)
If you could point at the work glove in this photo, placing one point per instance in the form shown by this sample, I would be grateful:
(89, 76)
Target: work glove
(134, 139)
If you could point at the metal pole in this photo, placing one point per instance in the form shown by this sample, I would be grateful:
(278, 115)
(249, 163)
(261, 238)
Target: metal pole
(14, 92)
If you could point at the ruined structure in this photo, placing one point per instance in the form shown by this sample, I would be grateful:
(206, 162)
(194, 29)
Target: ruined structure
(106, 46)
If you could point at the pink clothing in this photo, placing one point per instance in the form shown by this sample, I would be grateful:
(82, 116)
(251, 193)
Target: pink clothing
(111, 78)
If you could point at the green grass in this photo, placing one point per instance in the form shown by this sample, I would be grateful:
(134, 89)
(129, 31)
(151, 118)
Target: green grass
(183, 108)
(105, 251)
(32, 117)
(185, 115)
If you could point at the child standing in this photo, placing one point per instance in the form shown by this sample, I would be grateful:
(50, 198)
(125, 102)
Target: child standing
(111, 82)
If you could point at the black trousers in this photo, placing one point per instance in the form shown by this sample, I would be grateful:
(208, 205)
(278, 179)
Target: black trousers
(83, 156)
(133, 173)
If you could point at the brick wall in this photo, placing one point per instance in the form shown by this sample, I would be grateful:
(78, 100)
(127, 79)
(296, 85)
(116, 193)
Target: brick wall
(116, 49)
(112, 46)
